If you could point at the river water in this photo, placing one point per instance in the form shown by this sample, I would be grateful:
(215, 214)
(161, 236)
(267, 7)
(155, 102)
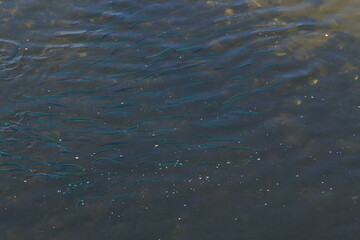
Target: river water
(179, 119)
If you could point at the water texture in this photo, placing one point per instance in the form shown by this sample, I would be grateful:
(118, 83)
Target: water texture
(179, 119)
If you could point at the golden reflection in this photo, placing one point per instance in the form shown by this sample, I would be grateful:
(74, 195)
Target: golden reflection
(229, 11)
(314, 82)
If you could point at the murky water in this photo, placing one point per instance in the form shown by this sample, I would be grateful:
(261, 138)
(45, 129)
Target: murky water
(179, 119)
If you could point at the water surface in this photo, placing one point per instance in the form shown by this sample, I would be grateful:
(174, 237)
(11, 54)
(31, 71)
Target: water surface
(179, 119)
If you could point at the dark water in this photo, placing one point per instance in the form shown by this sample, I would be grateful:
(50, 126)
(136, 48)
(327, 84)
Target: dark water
(179, 119)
